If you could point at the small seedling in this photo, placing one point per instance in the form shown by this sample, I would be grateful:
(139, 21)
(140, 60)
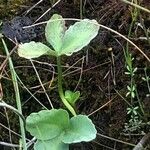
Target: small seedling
(131, 91)
(72, 97)
(53, 129)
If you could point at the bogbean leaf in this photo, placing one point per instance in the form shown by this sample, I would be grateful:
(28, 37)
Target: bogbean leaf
(53, 144)
(72, 97)
(54, 31)
(81, 129)
(33, 50)
(78, 36)
(63, 41)
(47, 124)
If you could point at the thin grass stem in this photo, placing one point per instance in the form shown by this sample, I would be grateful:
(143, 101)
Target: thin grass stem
(17, 96)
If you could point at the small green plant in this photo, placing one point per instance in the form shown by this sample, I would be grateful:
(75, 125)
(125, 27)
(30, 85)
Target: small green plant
(132, 110)
(130, 72)
(135, 109)
(54, 129)
(134, 122)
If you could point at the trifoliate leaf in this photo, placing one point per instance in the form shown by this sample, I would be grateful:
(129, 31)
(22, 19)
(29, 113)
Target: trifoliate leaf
(72, 97)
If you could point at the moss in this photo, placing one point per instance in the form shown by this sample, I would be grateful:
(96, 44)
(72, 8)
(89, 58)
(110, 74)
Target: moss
(9, 8)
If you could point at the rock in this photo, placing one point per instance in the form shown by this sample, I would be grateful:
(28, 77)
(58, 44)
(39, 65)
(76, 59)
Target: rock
(14, 29)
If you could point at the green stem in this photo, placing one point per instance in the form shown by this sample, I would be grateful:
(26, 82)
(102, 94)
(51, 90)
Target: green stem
(60, 89)
(128, 57)
(139, 101)
(147, 80)
(17, 95)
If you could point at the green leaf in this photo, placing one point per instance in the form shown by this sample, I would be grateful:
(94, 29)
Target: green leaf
(53, 144)
(54, 31)
(81, 129)
(78, 36)
(33, 50)
(72, 97)
(47, 124)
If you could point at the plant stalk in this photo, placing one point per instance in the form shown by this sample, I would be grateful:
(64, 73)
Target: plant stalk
(128, 57)
(60, 88)
(17, 95)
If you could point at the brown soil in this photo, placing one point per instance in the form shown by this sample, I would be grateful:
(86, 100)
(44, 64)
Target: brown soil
(103, 76)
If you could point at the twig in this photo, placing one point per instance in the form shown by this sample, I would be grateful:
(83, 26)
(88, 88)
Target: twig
(3, 104)
(47, 11)
(143, 142)
(9, 144)
(33, 7)
(113, 139)
(137, 6)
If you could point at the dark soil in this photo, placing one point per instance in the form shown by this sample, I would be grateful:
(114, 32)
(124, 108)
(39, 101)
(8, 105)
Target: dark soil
(103, 77)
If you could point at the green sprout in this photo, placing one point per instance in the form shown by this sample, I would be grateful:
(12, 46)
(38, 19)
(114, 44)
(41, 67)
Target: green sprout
(53, 128)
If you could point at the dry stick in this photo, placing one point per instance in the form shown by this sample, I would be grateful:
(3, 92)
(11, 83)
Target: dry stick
(143, 142)
(1, 90)
(33, 7)
(30, 92)
(10, 145)
(100, 25)
(126, 40)
(109, 148)
(53, 71)
(101, 107)
(96, 66)
(32, 141)
(73, 72)
(137, 6)
(47, 11)
(81, 73)
(2, 55)
(2, 67)
(8, 123)
(13, 132)
(39, 68)
(3, 104)
(41, 84)
(5, 61)
(113, 139)
(72, 66)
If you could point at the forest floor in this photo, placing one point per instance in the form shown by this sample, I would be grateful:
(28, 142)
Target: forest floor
(98, 71)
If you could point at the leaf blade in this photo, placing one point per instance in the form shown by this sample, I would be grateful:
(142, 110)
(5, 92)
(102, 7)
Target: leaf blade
(81, 129)
(53, 144)
(54, 31)
(72, 97)
(33, 50)
(47, 124)
(78, 36)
